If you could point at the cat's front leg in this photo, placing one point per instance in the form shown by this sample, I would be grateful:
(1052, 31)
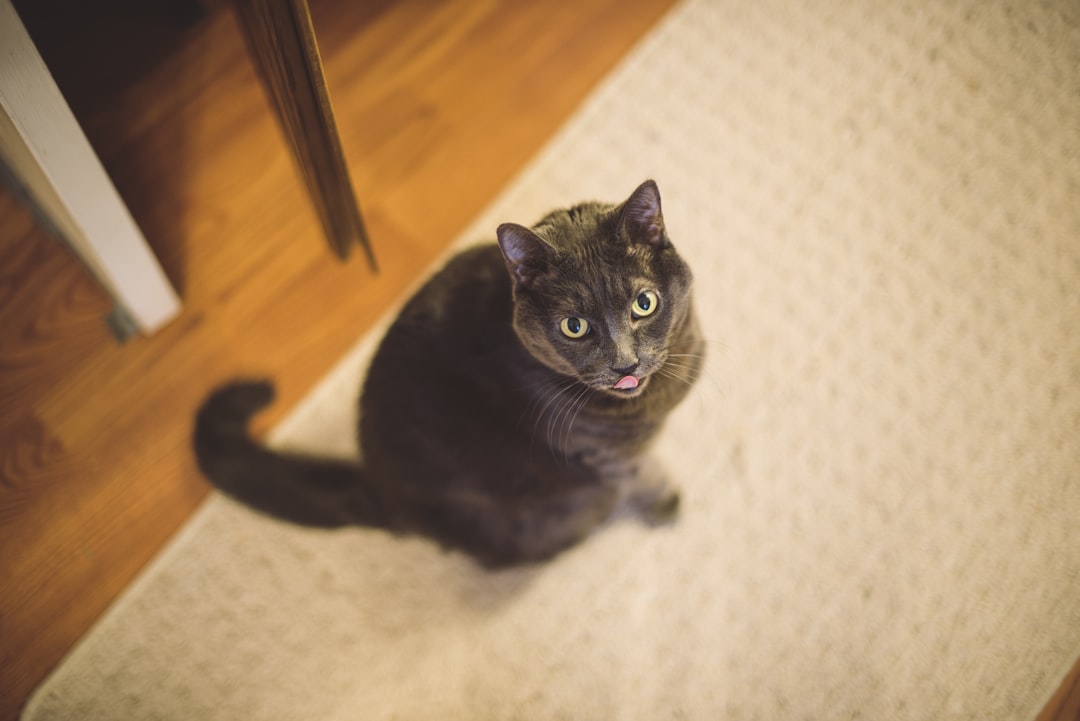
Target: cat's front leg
(651, 494)
(644, 487)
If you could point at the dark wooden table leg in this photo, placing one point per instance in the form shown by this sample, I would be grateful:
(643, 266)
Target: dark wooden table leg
(282, 41)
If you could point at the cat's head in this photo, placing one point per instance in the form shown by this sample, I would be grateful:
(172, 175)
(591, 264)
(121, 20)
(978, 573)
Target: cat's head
(598, 290)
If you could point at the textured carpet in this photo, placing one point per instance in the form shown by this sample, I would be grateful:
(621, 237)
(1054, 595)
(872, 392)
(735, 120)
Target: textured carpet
(881, 468)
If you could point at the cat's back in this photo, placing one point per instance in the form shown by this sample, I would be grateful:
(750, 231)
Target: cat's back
(452, 343)
(445, 384)
(467, 301)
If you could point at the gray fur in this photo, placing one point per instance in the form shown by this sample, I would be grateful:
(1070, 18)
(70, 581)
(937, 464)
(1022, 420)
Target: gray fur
(483, 425)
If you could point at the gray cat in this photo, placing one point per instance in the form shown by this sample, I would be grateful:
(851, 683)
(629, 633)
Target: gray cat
(508, 410)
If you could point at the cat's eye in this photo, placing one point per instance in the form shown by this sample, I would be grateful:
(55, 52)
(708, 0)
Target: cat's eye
(645, 304)
(574, 327)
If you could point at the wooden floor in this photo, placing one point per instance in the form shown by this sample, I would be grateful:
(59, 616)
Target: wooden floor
(439, 103)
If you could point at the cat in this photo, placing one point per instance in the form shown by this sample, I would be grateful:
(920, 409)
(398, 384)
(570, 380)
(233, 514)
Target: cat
(509, 408)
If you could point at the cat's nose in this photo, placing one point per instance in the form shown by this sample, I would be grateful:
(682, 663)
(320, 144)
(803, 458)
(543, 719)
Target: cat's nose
(626, 370)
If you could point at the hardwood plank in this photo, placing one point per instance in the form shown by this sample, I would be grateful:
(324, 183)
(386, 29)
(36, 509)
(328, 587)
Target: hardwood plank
(439, 104)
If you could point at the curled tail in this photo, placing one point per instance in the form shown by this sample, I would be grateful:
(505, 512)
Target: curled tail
(303, 490)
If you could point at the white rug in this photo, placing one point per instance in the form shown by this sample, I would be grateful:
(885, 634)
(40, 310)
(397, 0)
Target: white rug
(881, 202)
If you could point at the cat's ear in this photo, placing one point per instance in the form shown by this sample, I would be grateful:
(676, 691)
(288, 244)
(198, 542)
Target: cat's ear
(527, 255)
(640, 218)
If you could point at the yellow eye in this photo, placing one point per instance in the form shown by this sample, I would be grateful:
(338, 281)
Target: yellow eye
(645, 304)
(574, 327)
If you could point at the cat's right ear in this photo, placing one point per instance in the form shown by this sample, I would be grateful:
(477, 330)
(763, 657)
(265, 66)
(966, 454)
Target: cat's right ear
(527, 255)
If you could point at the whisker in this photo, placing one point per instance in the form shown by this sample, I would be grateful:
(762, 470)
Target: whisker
(548, 396)
(676, 364)
(690, 374)
(556, 415)
(557, 389)
(696, 371)
(714, 355)
(557, 441)
(573, 418)
(688, 380)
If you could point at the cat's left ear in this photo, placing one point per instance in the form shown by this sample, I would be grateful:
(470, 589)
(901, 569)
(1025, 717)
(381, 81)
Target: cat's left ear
(527, 255)
(641, 219)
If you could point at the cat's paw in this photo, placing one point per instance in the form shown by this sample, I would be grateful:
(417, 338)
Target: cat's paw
(663, 511)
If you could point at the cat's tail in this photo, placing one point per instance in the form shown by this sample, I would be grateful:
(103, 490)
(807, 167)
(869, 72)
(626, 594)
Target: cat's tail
(304, 490)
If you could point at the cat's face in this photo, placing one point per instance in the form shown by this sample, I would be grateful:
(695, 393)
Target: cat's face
(598, 290)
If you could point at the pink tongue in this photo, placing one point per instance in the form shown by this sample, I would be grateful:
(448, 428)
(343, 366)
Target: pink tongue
(626, 383)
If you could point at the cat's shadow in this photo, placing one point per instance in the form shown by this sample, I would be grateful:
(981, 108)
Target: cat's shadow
(412, 577)
(485, 591)
(416, 577)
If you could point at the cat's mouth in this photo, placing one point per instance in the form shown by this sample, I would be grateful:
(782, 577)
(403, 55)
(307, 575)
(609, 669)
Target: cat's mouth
(629, 386)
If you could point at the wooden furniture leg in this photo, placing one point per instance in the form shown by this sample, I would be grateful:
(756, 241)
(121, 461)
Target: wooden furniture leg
(282, 41)
(44, 150)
